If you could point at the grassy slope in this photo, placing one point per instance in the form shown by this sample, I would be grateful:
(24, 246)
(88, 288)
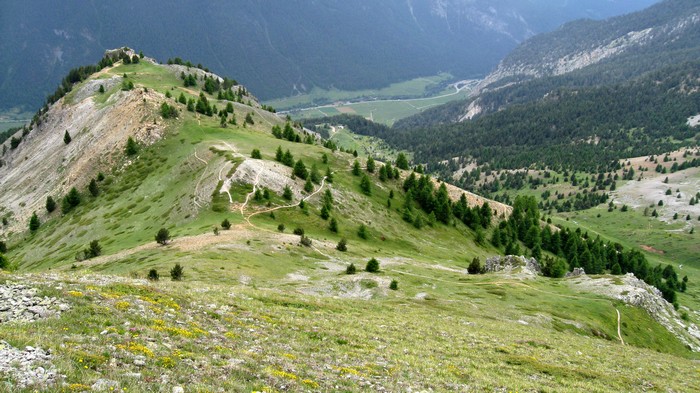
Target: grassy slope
(470, 326)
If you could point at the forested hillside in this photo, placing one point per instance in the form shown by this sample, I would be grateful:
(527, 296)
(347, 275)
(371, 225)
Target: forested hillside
(582, 54)
(582, 129)
(282, 49)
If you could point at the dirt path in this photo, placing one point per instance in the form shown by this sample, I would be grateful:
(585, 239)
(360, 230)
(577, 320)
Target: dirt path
(619, 333)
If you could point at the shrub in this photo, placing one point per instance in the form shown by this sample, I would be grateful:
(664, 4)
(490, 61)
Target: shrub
(34, 223)
(474, 266)
(299, 231)
(342, 245)
(351, 269)
(177, 272)
(131, 147)
(280, 227)
(163, 236)
(333, 225)
(305, 241)
(394, 286)
(362, 232)
(3, 247)
(256, 154)
(153, 275)
(372, 266)
(93, 250)
(287, 194)
(226, 224)
(4, 263)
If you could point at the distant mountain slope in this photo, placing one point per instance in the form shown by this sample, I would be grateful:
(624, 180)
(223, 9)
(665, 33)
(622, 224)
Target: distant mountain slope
(579, 54)
(278, 49)
(584, 128)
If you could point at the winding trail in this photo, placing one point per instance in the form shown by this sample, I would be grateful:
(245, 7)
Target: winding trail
(619, 333)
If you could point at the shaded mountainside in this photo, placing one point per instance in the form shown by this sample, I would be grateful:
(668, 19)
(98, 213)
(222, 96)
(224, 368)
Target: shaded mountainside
(581, 54)
(583, 128)
(279, 50)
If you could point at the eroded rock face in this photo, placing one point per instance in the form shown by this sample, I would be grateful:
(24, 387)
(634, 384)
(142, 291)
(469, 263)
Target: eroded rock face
(18, 302)
(578, 271)
(510, 262)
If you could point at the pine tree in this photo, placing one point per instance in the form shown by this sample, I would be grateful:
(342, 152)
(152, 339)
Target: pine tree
(308, 186)
(66, 138)
(394, 285)
(475, 266)
(333, 225)
(366, 185)
(300, 170)
(93, 188)
(372, 266)
(101, 90)
(351, 269)
(131, 147)
(163, 236)
(362, 232)
(370, 165)
(177, 272)
(256, 154)
(287, 193)
(50, 204)
(279, 154)
(34, 223)
(356, 168)
(342, 245)
(226, 224)
(402, 162)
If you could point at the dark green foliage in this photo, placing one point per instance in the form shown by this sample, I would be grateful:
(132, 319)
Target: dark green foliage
(279, 154)
(190, 105)
(351, 269)
(131, 147)
(371, 166)
(356, 168)
(249, 119)
(314, 175)
(366, 185)
(50, 204)
(34, 223)
(342, 245)
(372, 266)
(67, 138)
(333, 225)
(3, 247)
(394, 285)
(329, 175)
(287, 193)
(70, 201)
(14, 142)
(475, 266)
(93, 188)
(300, 170)
(280, 228)
(402, 162)
(153, 275)
(288, 159)
(177, 272)
(93, 250)
(127, 85)
(299, 231)
(101, 90)
(362, 232)
(4, 262)
(167, 111)
(256, 154)
(325, 212)
(308, 186)
(305, 241)
(182, 99)
(554, 267)
(163, 236)
(226, 224)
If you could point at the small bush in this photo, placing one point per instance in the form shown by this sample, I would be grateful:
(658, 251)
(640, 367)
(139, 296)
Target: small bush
(163, 236)
(394, 286)
(351, 269)
(226, 224)
(177, 272)
(305, 241)
(256, 154)
(372, 266)
(153, 275)
(342, 245)
(299, 231)
(280, 227)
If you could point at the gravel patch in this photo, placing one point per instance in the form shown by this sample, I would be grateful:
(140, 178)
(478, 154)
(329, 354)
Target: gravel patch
(28, 367)
(19, 303)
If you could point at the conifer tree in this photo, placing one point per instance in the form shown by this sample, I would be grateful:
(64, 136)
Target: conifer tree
(34, 223)
(67, 138)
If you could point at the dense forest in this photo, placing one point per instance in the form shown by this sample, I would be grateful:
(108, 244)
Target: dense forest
(581, 129)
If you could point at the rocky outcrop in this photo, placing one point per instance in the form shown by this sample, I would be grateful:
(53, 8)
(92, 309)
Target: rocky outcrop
(635, 292)
(511, 263)
(26, 368)
(578, 271)
(19, 303)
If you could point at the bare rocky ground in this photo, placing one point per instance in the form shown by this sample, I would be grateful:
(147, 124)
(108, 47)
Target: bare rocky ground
(98, 132)
(648, 192)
